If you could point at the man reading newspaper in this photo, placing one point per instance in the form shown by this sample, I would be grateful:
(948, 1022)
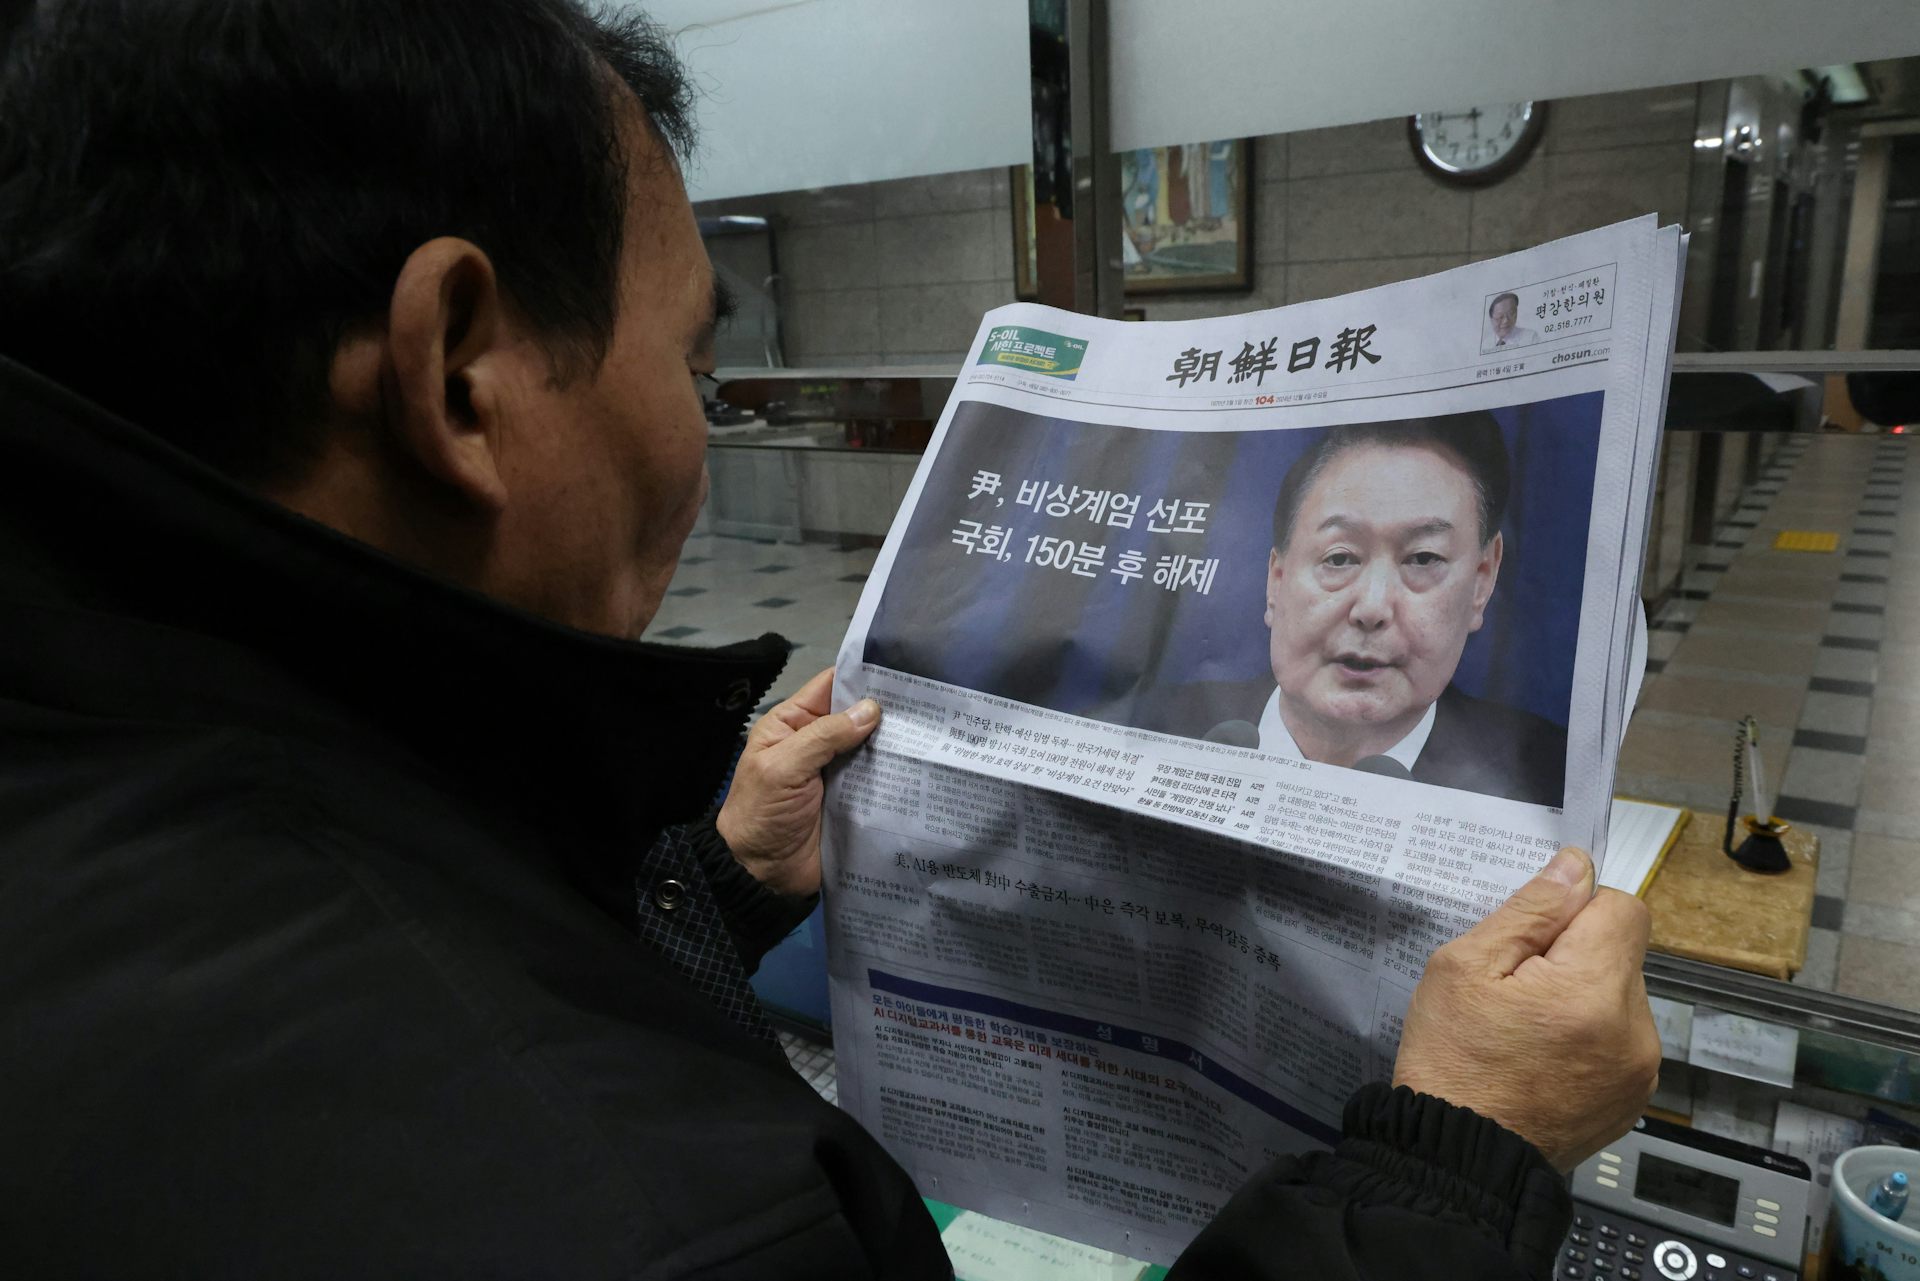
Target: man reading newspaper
(350, 437)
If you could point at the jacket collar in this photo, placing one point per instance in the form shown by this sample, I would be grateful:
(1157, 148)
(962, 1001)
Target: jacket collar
(197, 598)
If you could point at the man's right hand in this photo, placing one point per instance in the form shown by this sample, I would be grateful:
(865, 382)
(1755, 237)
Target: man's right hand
(1537, 1017)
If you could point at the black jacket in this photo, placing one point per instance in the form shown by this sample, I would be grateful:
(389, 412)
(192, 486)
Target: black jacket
(1475, 745)
(323, 957)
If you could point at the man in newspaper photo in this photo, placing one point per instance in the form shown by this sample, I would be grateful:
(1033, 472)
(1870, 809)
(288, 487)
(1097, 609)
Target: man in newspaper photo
(359, 911)
(1387, 547)
(1502, 332)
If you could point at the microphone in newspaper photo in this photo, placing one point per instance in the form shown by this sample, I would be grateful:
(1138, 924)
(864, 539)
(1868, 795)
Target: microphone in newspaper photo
(1234, 734)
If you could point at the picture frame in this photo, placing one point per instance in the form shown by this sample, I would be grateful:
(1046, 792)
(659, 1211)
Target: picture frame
(1187, 218)
(1026, 259)
(1182, 230)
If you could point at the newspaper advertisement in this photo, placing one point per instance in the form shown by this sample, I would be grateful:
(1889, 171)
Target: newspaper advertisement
(1228, 668)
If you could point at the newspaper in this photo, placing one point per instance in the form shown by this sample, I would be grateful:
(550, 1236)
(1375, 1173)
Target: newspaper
(1229, 667)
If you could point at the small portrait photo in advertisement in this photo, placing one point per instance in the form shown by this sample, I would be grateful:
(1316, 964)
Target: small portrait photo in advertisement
(1397, 597)
(1502, 328)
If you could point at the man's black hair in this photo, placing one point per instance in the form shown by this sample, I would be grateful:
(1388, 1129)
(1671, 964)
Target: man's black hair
(199, 198)
(1472, 441)
(1499, 298)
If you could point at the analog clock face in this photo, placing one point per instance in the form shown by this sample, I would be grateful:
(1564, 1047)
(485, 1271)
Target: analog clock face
(1479, 143)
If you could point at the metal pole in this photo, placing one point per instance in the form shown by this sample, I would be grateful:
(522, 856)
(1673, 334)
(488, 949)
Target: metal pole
(1076, 176)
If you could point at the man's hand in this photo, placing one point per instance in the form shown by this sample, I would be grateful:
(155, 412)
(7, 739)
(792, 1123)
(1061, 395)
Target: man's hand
(771, 818)
(1537, 1017)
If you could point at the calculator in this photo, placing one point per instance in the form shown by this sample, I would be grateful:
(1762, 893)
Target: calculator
(1667, 1203)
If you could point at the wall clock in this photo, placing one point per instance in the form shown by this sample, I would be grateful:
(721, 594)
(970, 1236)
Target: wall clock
(1479, 145)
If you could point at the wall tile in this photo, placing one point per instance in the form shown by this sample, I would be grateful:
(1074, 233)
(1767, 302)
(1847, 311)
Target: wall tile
(747, 257)
(949, 360)
(867, 496)
(1504, 213)
(1270, 157)
(939, 248)
(1203, 306)
(841, 321)
(939, 193)
(828, 256)
(1307, 281)
(936, 318)
(1644, 179)
(1622, 119)
(1375, 147)
(1374, 216)
(834, 359)
(1002, 233)
(900, 473)
(850, 203)
(1558, 195)
(762, 206)
(1269, 223)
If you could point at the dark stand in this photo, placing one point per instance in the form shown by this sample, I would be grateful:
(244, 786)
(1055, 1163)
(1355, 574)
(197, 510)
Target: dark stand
(1762, 850)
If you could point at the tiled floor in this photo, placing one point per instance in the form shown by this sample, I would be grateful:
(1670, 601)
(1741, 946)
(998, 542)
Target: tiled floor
(731, 589)
(1822, 649)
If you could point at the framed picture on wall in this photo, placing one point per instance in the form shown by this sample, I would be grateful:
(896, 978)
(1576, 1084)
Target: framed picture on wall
(1026, 260)
(1186, 220)
(1186, 217)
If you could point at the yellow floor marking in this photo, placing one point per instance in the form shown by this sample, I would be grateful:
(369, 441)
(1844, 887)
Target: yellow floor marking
(1806, 540)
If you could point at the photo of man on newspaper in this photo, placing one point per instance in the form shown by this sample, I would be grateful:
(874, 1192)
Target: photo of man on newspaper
(1399, 597)
(1387, 547)
(1502, 331)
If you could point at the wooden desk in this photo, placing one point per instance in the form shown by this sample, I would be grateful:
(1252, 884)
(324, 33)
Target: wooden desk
(1706, 907)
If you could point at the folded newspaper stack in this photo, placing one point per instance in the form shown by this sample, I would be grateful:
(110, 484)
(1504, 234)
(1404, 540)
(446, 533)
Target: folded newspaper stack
(1229, 667)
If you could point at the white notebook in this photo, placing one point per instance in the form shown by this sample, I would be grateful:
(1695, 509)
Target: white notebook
(1639, 834)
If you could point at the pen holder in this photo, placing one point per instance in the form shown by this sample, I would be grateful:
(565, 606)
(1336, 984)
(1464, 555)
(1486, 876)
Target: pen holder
(1860, 1243)
(1762, 849)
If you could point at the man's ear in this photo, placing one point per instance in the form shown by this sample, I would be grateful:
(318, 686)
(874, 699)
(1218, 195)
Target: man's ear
(1273, 581)
(1485, 575)
(445, 329)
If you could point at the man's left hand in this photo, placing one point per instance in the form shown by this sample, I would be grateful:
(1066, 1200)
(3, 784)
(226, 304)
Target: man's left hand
(771, 818)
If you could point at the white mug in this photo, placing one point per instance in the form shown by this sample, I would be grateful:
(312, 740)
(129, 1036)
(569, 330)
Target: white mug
(1861, 1244)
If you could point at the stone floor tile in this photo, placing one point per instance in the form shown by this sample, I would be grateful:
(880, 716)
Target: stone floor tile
(1886, 871)
(1823, 961)
(1875, 970)
(1846, 664)
(1836, 713)
(1689, 749)
(1742, 651)
(1888, 785)
(1820, 775)
(1725, 698)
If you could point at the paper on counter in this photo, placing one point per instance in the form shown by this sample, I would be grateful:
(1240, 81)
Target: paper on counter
(1816, 1138)
(1726, 1107)
(984, 1249)
(1674, 1019)
(1741, 1046)
(1638, 833)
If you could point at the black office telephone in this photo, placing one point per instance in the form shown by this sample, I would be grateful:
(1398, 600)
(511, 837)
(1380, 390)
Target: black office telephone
(1667, 1203)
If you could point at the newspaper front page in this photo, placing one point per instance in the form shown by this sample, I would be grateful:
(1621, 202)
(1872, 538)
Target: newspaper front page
(1229, 667)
